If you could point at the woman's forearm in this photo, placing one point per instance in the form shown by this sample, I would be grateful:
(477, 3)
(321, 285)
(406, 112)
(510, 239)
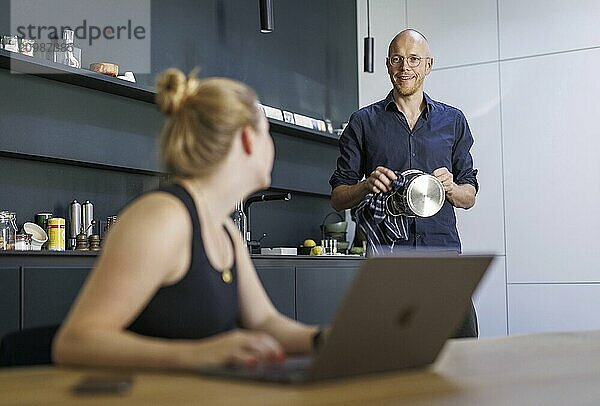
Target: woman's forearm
(97, 347)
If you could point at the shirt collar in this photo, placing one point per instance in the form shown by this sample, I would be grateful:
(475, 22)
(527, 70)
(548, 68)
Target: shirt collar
(389, 103)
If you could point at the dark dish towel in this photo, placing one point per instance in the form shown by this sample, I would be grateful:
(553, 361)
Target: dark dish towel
(381, 229)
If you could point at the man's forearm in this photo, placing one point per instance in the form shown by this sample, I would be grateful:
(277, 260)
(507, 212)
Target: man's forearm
(348, 196)
(462, 196)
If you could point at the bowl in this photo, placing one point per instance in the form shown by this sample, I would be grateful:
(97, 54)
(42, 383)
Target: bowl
(105, 68)
(342, 246)
(304, 250)
(339, 227)
(38, 235)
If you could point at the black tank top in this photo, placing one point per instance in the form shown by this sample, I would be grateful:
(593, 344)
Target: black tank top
(200, 304)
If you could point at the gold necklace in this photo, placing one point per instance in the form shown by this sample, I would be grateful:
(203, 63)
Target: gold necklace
(226, 275)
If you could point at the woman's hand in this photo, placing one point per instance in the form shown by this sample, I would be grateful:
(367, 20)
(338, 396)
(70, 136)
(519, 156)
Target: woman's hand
(241, 347)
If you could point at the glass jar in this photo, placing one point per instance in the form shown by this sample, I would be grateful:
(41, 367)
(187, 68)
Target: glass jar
(8, 230)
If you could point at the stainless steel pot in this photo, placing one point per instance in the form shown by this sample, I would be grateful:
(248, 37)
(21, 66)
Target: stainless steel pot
(422, 196)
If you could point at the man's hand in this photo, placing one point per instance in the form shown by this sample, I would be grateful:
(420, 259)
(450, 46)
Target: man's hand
(462, 196)
(380, 180)
(447, 179)
(348, 196)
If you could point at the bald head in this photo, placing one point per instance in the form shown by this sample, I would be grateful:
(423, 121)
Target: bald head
(410, 37)
(408, 62)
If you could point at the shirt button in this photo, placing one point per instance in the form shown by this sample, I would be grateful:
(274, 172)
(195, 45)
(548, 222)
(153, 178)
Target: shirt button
(413, 154)
(418, 235)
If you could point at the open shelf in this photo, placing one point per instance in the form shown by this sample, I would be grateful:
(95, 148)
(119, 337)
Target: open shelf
(79, 163)
(22, 64)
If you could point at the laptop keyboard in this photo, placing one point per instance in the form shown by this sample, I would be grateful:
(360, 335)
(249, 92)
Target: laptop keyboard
(292, 370)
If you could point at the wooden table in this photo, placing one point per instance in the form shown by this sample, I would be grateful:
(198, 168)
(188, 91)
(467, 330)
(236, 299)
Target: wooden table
(543, 369)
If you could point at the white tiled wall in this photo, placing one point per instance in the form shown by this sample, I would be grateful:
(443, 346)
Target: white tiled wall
(552, 167)
(387, 20)
(553, 307)
(524, 73)
(533, 27)
(490, 301)
(459, 32)
(482, 109)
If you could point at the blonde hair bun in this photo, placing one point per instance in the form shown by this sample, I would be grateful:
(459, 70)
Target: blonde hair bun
(170, 90)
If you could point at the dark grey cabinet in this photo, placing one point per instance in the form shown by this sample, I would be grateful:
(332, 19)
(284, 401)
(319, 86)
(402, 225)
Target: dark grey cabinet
(279, 282)
(49, 292)
(319, 292)
(39, 289)
(10, 297)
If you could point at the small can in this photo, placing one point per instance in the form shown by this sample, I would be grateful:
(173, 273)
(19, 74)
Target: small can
(41, 219)
(56, 234)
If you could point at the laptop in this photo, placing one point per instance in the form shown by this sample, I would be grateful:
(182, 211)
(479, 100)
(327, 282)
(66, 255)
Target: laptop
(397, 314)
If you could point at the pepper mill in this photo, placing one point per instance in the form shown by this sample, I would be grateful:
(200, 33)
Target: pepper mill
(94, 240)
(82, 238)
(82, 243)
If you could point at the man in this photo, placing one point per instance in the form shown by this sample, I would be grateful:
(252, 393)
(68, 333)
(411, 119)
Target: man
(409, 130)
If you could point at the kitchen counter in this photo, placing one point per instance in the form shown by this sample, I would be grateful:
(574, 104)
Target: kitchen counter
(38, 287)
(306, 257)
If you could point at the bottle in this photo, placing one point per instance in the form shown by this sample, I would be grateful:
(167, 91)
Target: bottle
(239, 219)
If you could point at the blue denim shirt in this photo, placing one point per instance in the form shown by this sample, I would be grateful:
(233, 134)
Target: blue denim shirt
(379, 135)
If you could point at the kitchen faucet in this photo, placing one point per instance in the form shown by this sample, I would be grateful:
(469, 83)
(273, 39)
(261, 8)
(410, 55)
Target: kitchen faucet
(254, 245)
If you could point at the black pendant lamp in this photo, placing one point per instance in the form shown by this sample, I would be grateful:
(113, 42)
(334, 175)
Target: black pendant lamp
(369, 43)
(266, 16)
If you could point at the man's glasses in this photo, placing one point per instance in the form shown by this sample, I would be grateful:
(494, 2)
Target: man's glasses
(412, 61)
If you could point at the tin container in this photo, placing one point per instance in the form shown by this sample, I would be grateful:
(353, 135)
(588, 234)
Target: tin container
(41, 219)
(56, 234)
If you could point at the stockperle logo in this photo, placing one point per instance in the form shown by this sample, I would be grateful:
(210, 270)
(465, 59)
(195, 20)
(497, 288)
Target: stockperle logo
(116, 31)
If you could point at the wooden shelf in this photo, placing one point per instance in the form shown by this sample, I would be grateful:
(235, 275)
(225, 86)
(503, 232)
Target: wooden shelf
(22, 64)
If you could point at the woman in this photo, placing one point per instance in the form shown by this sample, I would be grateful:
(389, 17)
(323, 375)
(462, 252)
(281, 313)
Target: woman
(175, 286)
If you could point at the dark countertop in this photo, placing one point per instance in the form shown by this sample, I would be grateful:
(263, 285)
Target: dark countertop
(306, 257)
(253, 256)
(47, 258)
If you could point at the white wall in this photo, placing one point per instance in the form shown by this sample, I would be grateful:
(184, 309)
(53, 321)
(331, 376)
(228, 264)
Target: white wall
(523, 72)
